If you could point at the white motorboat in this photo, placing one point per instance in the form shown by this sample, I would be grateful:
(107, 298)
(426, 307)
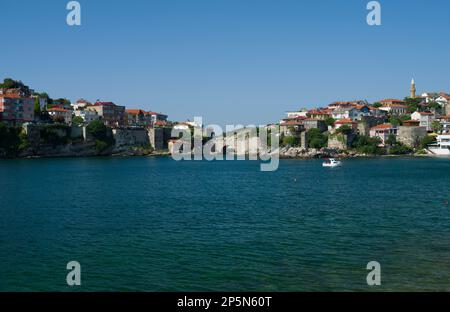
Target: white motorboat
(331, 162)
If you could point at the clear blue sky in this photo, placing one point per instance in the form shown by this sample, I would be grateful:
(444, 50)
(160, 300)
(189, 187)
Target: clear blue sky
(230, 61)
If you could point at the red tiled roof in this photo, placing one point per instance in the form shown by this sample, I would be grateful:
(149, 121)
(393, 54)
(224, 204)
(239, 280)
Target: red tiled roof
(397, 106)
(345, 121)
(58, 109)
(382, 126)
(160, 123)
(134, 111)
(319, 112)
(391, 101)
(445, 95)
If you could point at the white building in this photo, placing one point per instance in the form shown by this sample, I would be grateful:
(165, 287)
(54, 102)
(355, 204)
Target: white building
(353, 113)
(442, 147)
(87, 115)
(395, 109)
(302, 113)
(61, 113)
(425, 118)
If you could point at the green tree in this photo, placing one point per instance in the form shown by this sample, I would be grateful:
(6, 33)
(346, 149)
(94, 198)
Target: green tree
(437, 126)
(316, 139)
(434, 105)
(99, 133)
(77, 120)
(377, 104)
(97, 130)
(400, 149)
(290, 141)
(398, 120)
(429, 139)
(37, 107)
(391, 140)
(413, 104)
(344, 129)
(367, 145)
(329, 121)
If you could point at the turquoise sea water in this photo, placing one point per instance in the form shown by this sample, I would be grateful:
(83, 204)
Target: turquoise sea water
(153, 224)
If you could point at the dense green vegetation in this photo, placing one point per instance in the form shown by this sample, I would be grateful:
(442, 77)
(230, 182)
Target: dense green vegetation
(396, 120)
(427, 141)
(290, 141)
(413, 104)
(77, 120)
(99, 133)
(367, 145)
(55, 135)
(345, 129)
(316, 139)
(329, 121)
(12, 140)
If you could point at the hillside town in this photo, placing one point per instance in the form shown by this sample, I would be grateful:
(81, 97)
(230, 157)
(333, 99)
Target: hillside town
(418, 124)
(33, 124)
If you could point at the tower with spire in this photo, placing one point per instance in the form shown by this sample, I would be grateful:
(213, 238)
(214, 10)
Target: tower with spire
(413, 89)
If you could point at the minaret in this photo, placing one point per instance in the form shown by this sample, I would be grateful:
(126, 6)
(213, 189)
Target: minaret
(413, 89)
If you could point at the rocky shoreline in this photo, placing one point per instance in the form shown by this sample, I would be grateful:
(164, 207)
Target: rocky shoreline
(311, 153)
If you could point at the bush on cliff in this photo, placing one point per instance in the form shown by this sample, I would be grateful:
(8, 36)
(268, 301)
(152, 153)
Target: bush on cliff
(12, 140)
(99, 133)
(54, 134)
(367, 145)
(316, 139)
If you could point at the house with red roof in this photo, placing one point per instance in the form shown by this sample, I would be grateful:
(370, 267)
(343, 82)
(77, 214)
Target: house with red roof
(60, 114)
(383, 131)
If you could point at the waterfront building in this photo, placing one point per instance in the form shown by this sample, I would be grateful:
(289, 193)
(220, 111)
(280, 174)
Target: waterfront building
(154, 118)
(445, 122)
(112, 115)
(62, 114)
(383, 131)
(441, 147)
(136, 118)
(425, 119)
(16, 108)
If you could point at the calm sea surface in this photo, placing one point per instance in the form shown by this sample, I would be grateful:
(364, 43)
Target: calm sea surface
(153, 224)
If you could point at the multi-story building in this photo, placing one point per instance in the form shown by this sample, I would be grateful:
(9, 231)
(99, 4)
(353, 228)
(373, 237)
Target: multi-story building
(87, 115)
(15, 108)
(60, 114)
(425, 119)
(112, 115)
(387, 102)
(136, 118)
(395, 109)
(383, 132)
(154, 117)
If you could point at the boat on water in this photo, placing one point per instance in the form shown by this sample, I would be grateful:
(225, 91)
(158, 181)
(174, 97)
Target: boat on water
(442, 147)
(331, 162)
